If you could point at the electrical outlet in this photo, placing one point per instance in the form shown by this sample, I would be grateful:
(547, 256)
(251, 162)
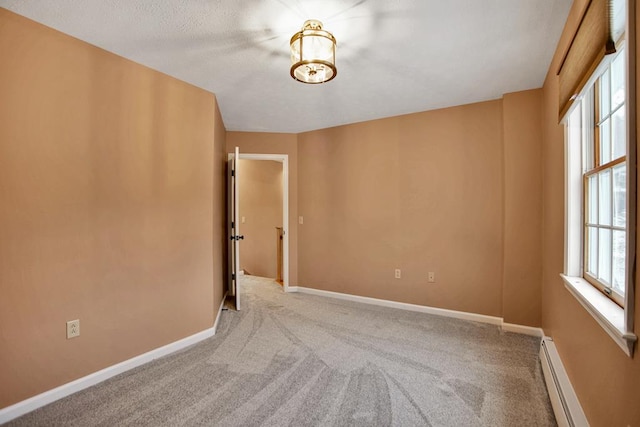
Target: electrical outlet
(398, 273)
(73, 328)
(432, 277)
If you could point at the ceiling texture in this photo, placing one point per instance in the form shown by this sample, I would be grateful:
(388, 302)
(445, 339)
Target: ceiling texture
(393, 56)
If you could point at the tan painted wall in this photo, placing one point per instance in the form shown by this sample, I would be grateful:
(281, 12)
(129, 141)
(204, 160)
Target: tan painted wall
(421, 192)
(521, 294)
(107, 213)
(606, 380)
(101, 199)
(276, 143)
(261, 209)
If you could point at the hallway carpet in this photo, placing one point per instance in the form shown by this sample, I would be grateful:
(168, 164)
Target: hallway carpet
(302, 360)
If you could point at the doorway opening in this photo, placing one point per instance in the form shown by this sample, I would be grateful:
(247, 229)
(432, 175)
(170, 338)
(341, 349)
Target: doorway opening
(248, 224)
(260, 215)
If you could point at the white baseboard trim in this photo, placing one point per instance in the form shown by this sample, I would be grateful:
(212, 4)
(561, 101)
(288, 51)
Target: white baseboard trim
(521, 329)
(507, 327)
(402, 305)
(16, 410)
(215, 322)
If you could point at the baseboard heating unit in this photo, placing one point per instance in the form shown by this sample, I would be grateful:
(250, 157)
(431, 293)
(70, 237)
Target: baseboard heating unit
(565, 403)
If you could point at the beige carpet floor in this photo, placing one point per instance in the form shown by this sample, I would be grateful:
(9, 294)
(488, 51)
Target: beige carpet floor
(301, 360)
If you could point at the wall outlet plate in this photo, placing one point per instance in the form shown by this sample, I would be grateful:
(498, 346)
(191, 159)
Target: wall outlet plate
(73, 328)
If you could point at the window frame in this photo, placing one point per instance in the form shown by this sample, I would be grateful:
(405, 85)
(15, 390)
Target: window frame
(617, 320)
(592, 122)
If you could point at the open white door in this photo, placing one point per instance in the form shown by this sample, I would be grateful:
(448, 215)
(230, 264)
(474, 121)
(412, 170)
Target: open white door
(234, 227)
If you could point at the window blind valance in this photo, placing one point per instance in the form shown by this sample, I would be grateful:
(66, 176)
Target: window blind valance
(585, 52)
(599, 27)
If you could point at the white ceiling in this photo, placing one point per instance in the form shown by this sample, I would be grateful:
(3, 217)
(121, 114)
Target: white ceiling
(394, 56)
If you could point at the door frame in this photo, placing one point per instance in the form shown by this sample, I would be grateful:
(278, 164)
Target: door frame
(284, 159)
(233, 226)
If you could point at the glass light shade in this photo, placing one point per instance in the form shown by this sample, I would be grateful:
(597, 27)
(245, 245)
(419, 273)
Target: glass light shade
(313, 54)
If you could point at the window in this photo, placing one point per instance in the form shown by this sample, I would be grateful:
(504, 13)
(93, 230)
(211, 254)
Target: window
(599, 242)
(605, 182)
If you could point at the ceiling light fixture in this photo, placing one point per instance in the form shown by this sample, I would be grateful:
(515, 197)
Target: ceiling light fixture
(313, 54)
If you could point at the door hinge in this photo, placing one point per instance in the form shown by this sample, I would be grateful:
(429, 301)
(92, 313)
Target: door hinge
(233, 172)
(233, 224)
(233, 276)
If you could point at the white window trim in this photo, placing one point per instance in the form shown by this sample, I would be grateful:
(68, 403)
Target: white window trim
(615, 320)
(606, 312)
